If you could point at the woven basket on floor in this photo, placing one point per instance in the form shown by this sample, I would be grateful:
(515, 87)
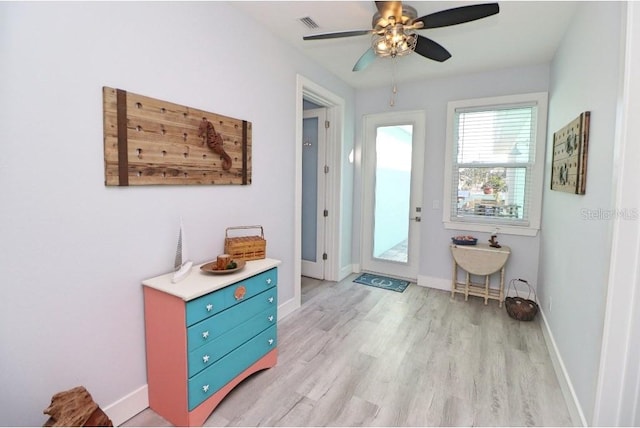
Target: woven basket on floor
(518, 307)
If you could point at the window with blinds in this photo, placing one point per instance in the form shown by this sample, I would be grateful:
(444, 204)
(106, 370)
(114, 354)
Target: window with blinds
(493, 165)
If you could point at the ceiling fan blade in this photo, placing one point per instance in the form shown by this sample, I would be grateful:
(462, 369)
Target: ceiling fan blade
(364, 61)
(432, 50)
(337, 35)
(390, 8)
(458, 15)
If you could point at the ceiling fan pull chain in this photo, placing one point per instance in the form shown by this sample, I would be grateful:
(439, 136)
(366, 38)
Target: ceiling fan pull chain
(394, 88)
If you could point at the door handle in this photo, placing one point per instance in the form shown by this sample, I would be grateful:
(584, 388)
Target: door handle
(416, 218)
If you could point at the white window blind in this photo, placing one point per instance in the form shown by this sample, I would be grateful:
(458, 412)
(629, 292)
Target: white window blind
(493, 160)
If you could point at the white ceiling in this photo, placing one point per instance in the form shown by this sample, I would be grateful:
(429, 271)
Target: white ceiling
(523, 33)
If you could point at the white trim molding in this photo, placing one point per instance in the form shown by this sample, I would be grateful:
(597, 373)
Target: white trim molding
(536, 182)
(335, 105)
(128, 406)
(345, 271)
(433, 282)
(287, 308)
(569, 393)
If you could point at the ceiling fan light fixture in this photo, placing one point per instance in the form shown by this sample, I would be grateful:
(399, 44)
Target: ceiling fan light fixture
(393, 42)
(393, 30)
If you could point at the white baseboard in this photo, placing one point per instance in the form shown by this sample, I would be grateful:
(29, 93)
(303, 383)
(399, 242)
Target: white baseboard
(445, 285)
(433, 282)
(287, 308)
(569, 393)
(345, 271)
(128, 406)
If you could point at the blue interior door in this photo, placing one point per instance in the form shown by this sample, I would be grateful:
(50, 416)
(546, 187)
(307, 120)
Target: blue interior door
(313, 192)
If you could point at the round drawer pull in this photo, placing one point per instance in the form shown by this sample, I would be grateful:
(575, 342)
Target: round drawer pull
(240, 292)
(268, 280)
(205, 334)
(270, 341)
(205, 388)
(270, 318)
(209, 307)
(270, 299)
(205, 359)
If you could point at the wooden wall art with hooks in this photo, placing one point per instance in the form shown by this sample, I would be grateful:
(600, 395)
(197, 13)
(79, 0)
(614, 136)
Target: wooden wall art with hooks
(148, 141)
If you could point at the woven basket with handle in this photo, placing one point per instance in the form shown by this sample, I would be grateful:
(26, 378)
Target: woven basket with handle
(247, 247)
(518, 307)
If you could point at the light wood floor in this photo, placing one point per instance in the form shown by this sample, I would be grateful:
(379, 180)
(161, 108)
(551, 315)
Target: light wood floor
(354, 355)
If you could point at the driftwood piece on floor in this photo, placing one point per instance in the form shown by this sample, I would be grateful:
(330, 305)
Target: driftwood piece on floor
(75, 408)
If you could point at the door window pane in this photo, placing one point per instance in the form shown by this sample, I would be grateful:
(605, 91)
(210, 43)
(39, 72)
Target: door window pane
(309, 188)
(392, 192)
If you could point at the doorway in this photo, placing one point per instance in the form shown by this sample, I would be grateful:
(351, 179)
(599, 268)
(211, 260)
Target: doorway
(334, 235)
(393, 158)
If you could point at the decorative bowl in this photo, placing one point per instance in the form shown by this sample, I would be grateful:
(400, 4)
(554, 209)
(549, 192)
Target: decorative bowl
(212, 267)
(464, 240)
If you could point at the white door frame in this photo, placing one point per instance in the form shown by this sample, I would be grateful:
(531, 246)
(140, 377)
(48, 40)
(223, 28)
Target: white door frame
(335, 105)
(315, 269)
(618, 391)
(370, 122)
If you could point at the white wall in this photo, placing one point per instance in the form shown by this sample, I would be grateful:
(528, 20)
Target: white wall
(433, 96)
(73, 251)
(575, 248)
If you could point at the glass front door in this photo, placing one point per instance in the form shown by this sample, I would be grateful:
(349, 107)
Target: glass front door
(393, 155)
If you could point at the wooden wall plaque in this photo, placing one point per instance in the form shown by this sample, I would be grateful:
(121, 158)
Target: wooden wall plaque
(569, 161)
(149, 141)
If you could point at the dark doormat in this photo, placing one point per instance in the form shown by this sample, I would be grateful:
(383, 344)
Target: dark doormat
(380, 281)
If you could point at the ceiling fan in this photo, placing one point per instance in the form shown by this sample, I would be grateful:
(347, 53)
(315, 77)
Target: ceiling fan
(394, 26)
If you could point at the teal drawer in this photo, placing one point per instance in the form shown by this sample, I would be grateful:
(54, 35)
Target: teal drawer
(206, 331)
(219, 300)
(205, 306)
(208, 354)
(207, 382)
(242, 290)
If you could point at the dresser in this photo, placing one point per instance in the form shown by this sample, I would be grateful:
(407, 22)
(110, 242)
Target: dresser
(482, 260)
(207, 333)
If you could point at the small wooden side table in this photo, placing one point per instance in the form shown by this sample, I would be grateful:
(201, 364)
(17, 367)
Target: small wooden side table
(482, 260)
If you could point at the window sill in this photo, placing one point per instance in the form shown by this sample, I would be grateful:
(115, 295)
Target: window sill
(490, 228)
